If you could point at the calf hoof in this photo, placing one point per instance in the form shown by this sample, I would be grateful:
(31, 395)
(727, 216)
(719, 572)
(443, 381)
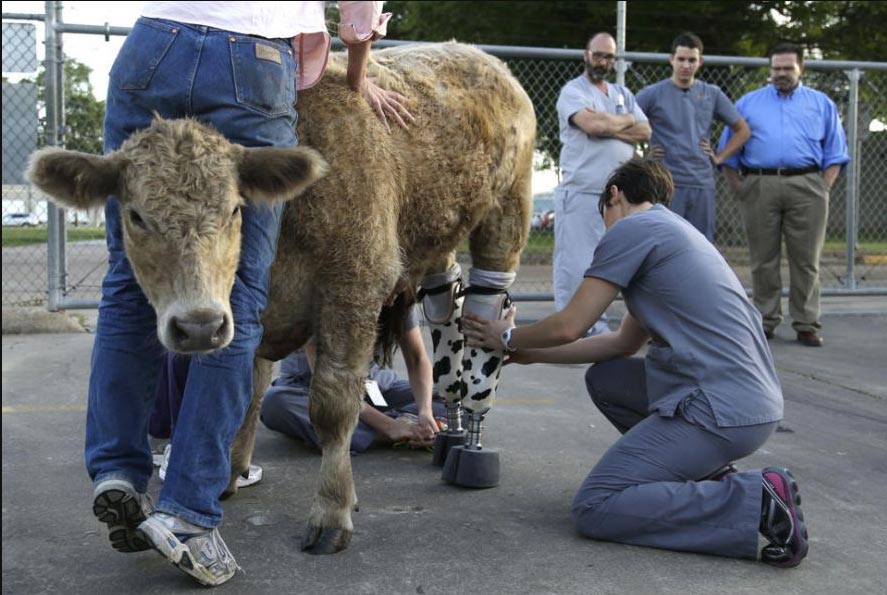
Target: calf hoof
(472, 468)
(444, 443)
(330, 540)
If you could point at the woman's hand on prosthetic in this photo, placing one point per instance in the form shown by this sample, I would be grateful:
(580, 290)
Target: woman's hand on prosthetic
(483, 332)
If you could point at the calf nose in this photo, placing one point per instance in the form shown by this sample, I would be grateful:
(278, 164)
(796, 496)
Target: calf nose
(198, 330)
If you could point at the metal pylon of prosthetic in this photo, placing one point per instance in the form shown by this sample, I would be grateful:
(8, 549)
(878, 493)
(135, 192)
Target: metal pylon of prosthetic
(475, 429)
(454, 416)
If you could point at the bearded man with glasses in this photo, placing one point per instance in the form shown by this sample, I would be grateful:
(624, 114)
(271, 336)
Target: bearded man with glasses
(600, 125)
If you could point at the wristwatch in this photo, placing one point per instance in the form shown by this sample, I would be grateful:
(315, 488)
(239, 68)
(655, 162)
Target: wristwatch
(506, 339)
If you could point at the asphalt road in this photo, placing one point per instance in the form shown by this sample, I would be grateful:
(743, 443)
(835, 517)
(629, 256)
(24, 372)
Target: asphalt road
(418, 535)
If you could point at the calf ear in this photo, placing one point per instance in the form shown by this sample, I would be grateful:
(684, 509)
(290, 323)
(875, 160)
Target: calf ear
(73, 179)
(278, 173)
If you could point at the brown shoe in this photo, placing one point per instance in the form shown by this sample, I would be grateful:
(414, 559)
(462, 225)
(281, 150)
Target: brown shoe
(810, 338)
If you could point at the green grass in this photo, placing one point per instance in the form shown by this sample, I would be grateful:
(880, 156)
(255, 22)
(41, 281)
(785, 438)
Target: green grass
(22, 236)
(544, 242)
(538, 243)
(540, 246)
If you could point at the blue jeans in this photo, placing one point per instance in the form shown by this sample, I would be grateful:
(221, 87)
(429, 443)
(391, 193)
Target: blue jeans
(181, 70)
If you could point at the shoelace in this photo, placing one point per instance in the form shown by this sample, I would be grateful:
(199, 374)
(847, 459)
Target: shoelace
(769, 520)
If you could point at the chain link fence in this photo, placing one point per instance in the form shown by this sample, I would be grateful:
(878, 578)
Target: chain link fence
(69, 275)
(24, 214)
(865, 256)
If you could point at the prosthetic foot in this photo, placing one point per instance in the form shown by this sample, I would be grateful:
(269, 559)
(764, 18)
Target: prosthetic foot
(454, 436)
(472, 465)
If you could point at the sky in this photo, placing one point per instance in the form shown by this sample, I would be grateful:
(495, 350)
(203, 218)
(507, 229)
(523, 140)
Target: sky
(99, 54)
(91, 50)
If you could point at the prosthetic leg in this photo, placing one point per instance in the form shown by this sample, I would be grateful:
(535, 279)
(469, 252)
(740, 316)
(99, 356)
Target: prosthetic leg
(443, 311)
(474, 465)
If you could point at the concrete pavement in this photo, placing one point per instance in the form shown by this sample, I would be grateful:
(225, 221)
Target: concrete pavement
(417, 535)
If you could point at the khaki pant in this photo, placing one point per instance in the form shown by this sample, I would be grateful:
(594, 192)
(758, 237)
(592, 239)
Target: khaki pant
(796, 208)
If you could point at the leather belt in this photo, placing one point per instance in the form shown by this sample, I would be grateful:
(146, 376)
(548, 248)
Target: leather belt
(781, 171)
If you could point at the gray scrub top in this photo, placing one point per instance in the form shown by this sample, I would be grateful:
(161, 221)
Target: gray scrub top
(706, 335)
(680, 120)
(586, 161)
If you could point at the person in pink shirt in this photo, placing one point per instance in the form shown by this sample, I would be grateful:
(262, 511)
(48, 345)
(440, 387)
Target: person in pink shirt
(236, 66)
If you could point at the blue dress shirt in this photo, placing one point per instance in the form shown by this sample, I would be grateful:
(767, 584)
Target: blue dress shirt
(797, 130)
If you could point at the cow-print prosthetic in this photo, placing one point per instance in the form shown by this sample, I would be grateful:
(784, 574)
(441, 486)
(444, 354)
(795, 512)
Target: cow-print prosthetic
(443, 311)
(481, 366)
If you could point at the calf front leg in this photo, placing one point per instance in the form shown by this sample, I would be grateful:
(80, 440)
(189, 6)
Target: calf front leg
(334, 404)
(245, 441)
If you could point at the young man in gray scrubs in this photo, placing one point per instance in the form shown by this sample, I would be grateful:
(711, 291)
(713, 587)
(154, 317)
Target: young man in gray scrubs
(705, 394)
(681, 110)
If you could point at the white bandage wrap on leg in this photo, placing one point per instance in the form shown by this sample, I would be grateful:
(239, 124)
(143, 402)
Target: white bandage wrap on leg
(491, 279)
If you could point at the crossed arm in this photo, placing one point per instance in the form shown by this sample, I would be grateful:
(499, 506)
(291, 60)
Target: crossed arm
(605, 125)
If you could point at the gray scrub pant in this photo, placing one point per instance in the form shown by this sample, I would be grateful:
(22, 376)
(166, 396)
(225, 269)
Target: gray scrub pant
(645, 490)
(696, 205)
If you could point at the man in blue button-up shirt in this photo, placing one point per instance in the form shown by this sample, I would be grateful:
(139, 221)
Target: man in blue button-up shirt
(796, 151)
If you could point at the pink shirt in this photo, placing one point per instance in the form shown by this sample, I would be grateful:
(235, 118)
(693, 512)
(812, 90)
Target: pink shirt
(303, 22)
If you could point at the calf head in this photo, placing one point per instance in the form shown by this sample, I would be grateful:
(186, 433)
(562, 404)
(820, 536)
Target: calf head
(180, 186)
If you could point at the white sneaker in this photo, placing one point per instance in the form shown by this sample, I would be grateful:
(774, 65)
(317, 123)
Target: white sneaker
(195, 550)
(117, 504)
(252, 477)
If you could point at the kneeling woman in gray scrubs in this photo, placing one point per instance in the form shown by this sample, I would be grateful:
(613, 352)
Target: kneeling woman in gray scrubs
(705, 394)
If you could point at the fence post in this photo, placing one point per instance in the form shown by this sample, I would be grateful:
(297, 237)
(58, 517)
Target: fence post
(852, 194)
(52, 139)
(620, 42)
(55, 231)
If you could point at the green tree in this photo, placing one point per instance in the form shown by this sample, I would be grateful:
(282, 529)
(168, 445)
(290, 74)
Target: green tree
(84, 114)
(844, 30)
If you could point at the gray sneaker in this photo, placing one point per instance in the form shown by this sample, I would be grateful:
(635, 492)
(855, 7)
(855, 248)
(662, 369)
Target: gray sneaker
(117, 504)
(196, 550)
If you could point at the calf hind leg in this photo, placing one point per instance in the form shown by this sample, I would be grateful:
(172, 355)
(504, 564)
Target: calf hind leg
(495, 253)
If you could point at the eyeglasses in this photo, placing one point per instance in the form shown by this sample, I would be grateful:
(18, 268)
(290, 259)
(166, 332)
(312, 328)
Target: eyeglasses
(602, 57)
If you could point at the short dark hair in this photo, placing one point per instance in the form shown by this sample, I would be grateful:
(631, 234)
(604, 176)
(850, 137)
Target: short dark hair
(687, 40)
(640, 180)
(786, 48)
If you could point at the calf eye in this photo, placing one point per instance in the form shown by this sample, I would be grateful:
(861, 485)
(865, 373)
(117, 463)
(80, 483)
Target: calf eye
(137, 220)
(235, 211)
